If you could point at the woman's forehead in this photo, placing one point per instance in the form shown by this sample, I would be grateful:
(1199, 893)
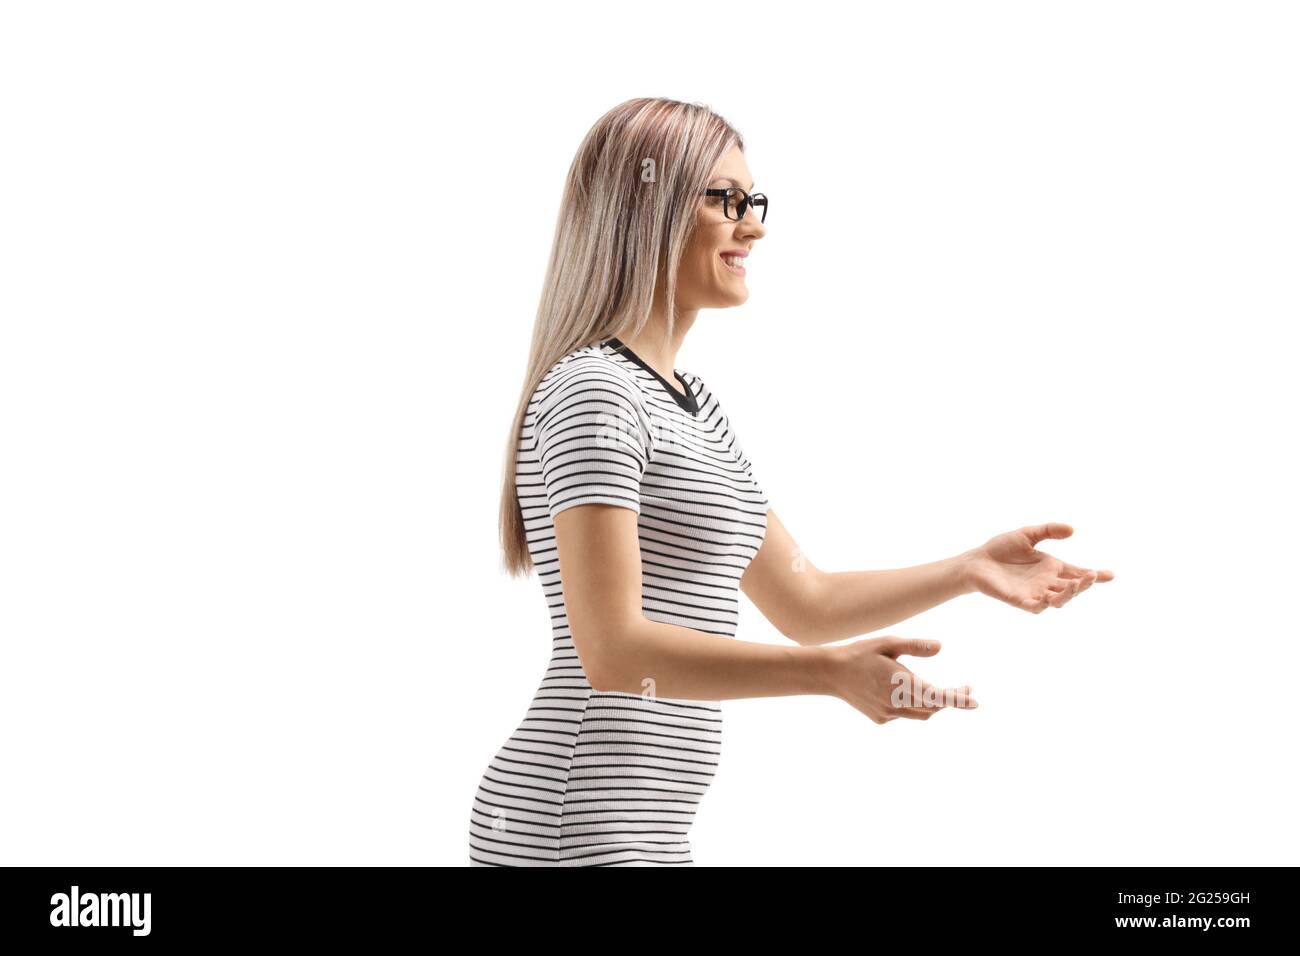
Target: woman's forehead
(733, 168)
(731, 180)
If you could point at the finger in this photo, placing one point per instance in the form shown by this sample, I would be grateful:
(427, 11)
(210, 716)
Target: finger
(930, 697)
(1060, 600)
(966, 703)
(913, 713)
(925, 713)
(958, 697)
(915, 646)
(1072, 588)
(1076, 585)
(1033, 603)
(1100, 576)
(912, 694)
(1053, 529)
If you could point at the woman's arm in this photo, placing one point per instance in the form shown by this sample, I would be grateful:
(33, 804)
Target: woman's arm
(622, 650)
(813, 607)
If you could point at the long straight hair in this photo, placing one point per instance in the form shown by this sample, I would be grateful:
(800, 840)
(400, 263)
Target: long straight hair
(629, 205)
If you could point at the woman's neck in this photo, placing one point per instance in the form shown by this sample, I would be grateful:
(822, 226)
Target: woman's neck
(657, 348)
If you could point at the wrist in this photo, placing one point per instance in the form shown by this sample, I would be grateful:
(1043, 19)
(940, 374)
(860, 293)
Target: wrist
(961, 569)
(823, 666)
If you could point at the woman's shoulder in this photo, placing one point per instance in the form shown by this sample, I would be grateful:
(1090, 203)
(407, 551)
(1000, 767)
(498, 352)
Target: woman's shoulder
(583, 369)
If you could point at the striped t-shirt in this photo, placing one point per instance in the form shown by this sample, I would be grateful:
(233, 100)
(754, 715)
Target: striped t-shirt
(592, 778)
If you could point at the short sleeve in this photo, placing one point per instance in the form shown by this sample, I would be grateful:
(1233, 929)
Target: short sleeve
(593, 441)
(745, 463)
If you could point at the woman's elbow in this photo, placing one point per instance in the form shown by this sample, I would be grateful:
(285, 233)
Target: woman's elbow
(609, 677)
(805, 634)
(803, 618)
(598, 678)
(603, 662)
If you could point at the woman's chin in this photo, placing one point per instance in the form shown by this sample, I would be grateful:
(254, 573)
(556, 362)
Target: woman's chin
(733, 294)
(722, 297)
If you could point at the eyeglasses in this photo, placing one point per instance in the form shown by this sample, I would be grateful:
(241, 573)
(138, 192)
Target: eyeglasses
(736, 202)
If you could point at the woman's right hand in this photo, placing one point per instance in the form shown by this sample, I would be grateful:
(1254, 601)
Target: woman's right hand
(868, 675)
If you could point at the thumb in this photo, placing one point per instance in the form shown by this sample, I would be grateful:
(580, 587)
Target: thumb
(915, 646)
(1053, 529)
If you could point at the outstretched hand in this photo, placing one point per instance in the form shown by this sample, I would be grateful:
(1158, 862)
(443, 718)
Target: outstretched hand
(1009, 568)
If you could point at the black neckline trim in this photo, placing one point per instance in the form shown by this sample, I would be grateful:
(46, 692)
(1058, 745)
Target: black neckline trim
(687, 401)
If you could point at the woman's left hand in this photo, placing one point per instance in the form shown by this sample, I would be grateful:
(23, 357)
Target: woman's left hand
(1009, 568)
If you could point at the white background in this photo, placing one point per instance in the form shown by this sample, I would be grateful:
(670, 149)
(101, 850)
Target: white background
(269, 272)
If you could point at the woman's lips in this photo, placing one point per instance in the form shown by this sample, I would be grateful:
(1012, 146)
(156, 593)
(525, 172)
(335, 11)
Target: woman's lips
(728, 258)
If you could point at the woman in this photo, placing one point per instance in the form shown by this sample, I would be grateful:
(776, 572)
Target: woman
(628, 490)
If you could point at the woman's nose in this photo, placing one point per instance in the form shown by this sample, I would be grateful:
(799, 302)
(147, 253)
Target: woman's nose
(751, 225)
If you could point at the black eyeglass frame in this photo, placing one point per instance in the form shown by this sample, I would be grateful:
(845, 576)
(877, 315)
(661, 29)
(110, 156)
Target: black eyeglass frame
(757, 200)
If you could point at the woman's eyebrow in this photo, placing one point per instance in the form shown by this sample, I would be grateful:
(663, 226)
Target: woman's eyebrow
(735, 182)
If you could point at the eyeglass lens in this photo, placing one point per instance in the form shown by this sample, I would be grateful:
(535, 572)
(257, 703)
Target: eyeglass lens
(738, 203)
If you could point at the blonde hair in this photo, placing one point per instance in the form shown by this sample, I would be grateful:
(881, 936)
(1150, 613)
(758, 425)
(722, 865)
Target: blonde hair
(629, 205)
